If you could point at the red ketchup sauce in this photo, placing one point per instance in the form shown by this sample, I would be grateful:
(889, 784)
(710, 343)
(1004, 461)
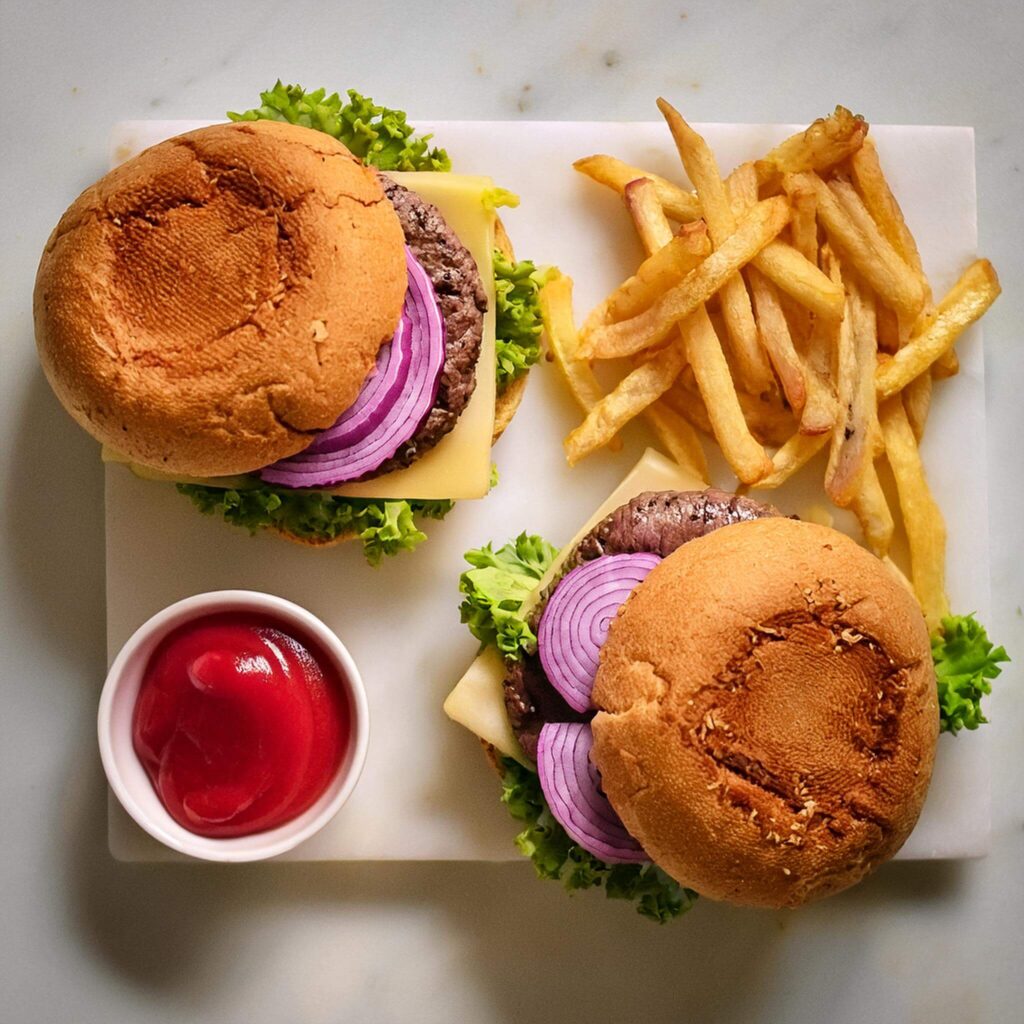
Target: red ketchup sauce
(240, 724)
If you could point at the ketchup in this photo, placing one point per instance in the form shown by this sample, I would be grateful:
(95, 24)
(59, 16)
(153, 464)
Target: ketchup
(240, 724)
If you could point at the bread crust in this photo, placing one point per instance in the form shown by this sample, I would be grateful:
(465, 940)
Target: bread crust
(767, 713)
(209, 305)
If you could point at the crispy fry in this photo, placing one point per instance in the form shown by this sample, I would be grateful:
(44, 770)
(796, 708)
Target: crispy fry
(917, 400)
(746, 457)
(607, 170)
(634, 393)
(684, 398)
(776, 339)
(926, 531)
(762, 223)
(645, 208)
(824, 144)
(800, 278)
(702, 169)
(872, 511)
(556, 312)
(819, 411)
(966, 301)
(898, 267)
(659, 272)
(793, 455)
(903, 293)
(678, 438)
(804, 226)
(947, 365)
(741, 187)
(852, 443)
(865, 338)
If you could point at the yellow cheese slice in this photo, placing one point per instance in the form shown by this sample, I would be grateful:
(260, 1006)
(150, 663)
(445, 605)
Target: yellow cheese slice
(459, 466)
(478, 700)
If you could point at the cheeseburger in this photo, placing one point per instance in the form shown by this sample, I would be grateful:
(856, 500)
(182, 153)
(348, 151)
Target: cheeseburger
(289, 328)
(712, 698)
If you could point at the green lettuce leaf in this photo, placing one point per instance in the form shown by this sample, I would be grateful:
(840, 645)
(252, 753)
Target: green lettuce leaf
(377, 135)
(384, 527)
(965, 661)
(517, 316)
(555, 856)
(495, 588)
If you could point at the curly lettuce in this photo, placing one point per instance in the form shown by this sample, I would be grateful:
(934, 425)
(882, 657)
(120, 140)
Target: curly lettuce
(965, 662)
(495, 588)
(555, 856)
(518, 323)
(385, 527)
(377, 135)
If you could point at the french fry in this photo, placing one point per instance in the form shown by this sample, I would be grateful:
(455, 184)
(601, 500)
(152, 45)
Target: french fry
(634, 393)
(776, 339)
(926, 531)
(827, 142)
(898, 267)
(852, 442)
(563, 341)
(746, 457)
(648, 215)
(684, 398)
(760, 226)
(917, 400)
(678, 438)
(903, 293)
(966, 301)
(799, 278)
(947, 365)
(804, 226)
(865, 338)
(793, 455)
(607, 170)
(659, 272)
(702, 169)
(872, 512)
(741, 187)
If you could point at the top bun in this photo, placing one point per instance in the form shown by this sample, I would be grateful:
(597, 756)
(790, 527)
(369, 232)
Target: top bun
(768, 713)
(210, 304)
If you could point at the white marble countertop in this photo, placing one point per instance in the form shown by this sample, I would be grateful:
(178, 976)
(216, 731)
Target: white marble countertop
(83, 938)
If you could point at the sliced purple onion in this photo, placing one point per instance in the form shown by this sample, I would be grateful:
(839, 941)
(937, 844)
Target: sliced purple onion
(574, 625)
(572, 787)
(392, 404)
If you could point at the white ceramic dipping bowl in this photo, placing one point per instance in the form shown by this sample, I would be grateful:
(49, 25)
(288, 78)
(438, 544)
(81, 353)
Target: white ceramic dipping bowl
(128, 778)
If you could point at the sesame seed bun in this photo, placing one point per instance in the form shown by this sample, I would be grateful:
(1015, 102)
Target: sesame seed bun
(767, 713)
(209, 305)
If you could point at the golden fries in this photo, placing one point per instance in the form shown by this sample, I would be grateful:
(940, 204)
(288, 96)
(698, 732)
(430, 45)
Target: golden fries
(676, 201)
(634, 393)
(901, 291)
(678, 438)
(926, 531)
(760, 226)
(776, 339)
(747, 458)
(758, 338)
(645, 208)
(824, 144)
(967, 300)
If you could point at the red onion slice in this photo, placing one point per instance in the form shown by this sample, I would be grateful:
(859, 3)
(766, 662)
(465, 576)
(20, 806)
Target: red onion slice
(401, 395)
(572, 787)
(574, 625)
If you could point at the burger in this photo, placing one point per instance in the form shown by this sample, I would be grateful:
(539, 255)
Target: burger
(700, 695)
(279, 315)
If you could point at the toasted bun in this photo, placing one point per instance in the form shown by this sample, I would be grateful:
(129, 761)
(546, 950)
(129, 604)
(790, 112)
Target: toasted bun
(768, 713)
(207, 306)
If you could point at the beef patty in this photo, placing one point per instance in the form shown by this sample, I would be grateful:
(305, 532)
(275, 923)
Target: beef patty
(656, 522)
(463, 301)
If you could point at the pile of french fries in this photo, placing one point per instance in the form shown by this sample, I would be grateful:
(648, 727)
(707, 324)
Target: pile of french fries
(781, 311)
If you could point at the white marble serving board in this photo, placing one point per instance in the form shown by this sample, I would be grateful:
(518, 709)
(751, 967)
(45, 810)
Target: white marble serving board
(426, 793)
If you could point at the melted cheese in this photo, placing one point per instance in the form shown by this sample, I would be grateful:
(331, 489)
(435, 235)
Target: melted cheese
(478, 700)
